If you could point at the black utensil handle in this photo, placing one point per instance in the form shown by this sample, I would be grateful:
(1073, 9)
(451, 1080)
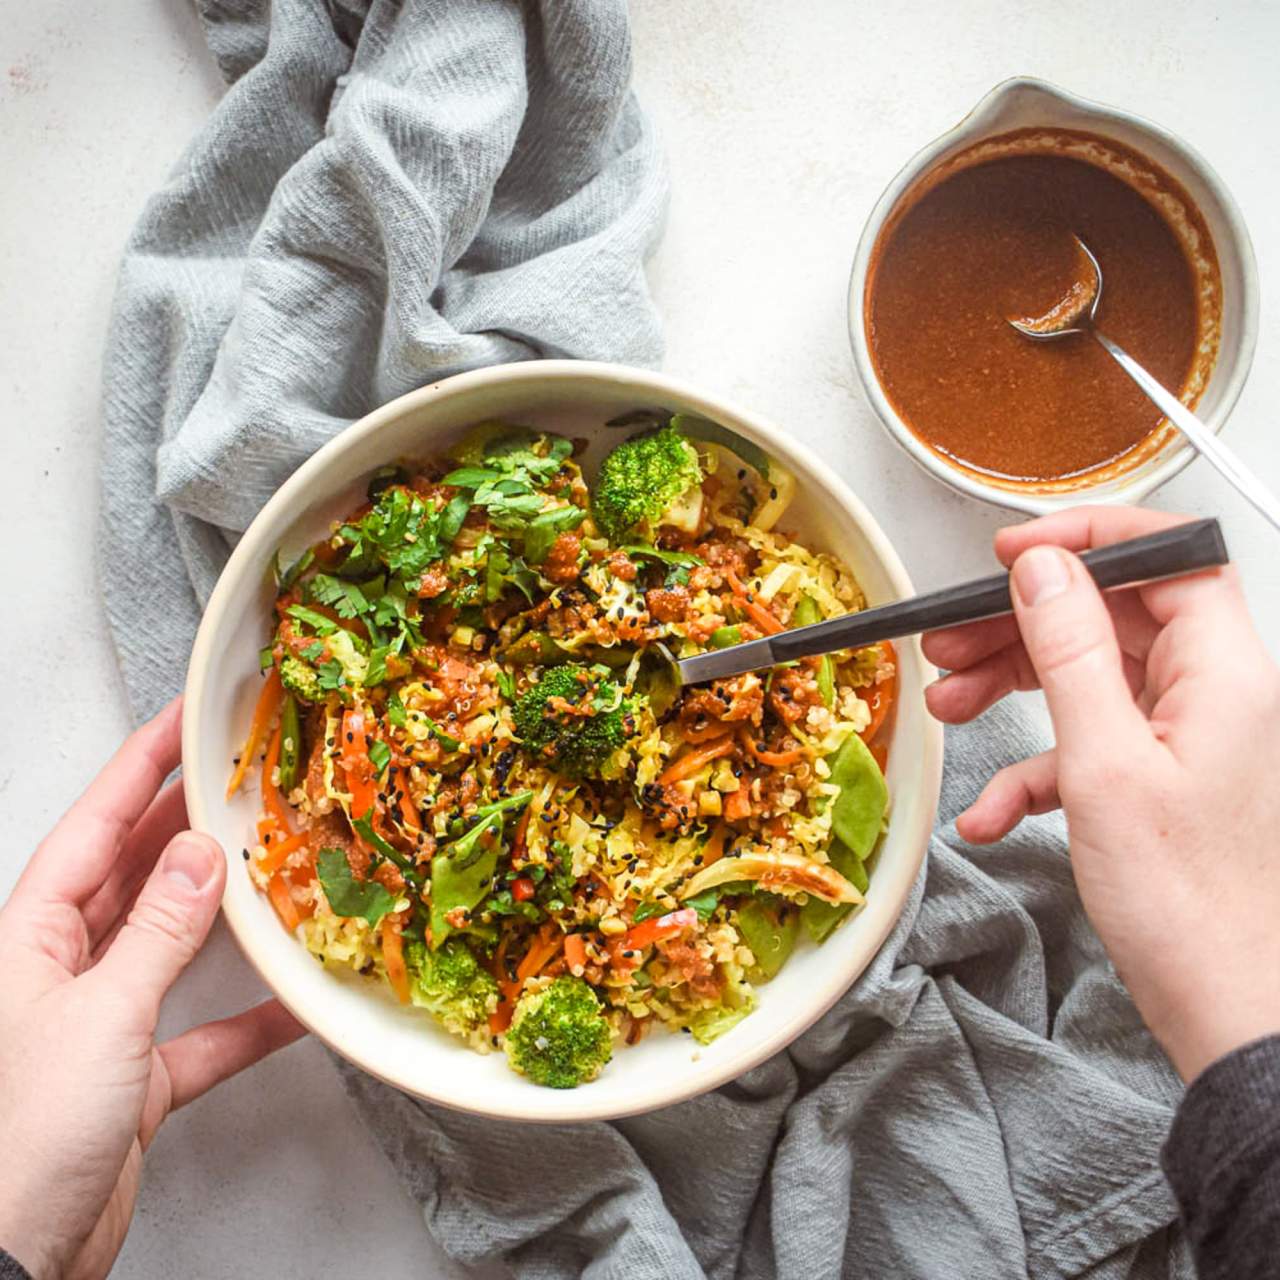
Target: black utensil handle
(1185, 548)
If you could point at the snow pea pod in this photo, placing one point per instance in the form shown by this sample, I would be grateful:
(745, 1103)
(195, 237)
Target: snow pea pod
(770, 933)
(820, 918)
(290, 744)
(858, 811)
(805, 615)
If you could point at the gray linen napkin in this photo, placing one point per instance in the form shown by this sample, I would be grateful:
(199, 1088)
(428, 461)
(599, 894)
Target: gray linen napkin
(388, 193)
(393, 192)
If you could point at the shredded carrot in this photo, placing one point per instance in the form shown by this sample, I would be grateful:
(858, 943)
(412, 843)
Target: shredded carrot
(880, 697)
(282, 899)
(393, 958)
(762, 617)
(880, 754)
(713, 850)
(520, 840)
(355, 761)
(277, 854)
(575, 953)
(774, 759)
(264, 712)
(409, 812)
(737, 805)
(272, 801)
(500, 1018)
(656, 928)
(690, 763)
(541, 952)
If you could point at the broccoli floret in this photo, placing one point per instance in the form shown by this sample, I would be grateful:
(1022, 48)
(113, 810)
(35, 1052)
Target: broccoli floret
(647, 481)
(450, 984)
(300, 678)
(574, 720)
(559, 1036)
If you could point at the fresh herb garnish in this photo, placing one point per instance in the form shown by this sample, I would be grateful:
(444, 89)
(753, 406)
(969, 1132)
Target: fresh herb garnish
(364, 827)
(684, 559)
(348, 896)
(318, 623)
(543, 530)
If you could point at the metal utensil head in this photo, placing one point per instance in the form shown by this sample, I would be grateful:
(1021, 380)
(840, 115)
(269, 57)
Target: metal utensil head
(751, 655)
(1074, 312)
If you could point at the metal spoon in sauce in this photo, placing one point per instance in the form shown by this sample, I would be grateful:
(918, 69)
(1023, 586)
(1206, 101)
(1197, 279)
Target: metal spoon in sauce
(1075, 313)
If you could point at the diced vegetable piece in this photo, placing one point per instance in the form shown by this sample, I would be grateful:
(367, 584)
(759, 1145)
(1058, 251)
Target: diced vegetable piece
(723, 637)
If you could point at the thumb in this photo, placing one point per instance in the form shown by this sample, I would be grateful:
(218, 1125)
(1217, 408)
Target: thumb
(168, 924)
(1069, 636)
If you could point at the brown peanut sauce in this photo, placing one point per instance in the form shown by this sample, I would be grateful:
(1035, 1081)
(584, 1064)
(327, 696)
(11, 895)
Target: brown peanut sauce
(989, 235)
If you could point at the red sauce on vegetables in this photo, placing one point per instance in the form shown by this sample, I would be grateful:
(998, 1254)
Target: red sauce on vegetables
(990, 235)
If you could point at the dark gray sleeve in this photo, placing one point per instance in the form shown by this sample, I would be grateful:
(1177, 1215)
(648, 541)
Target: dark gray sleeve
(1223, 1161)
(11, 1268)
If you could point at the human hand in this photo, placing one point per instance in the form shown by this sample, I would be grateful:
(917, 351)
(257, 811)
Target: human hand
(92, 937)
(1166, 711)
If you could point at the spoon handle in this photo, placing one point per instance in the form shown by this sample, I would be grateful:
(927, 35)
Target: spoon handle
(1203, 440)
(1184, 548)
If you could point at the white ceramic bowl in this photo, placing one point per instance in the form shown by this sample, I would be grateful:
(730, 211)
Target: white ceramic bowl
(1026, 103)
(358, 1018)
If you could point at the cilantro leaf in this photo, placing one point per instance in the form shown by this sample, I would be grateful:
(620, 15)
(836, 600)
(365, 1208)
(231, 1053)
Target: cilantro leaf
(318, 623)
(396, 714)
(685, 559)
(348, 896)
(330, 674)
(542, 531)
(344, 597)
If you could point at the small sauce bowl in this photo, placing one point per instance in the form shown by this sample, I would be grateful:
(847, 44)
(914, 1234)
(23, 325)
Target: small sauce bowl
(1027, 104)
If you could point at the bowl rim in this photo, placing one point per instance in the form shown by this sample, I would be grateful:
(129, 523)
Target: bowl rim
(245, 564)
(1177, 453)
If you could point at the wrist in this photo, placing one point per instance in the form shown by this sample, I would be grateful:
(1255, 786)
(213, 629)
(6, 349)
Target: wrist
(1212, 1013)
(22, 1241)
(26, 1210)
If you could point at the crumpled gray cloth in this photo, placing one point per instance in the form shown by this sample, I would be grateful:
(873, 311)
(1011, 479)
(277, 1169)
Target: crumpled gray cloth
(389, 193)
(393, 192)
(984, 1103)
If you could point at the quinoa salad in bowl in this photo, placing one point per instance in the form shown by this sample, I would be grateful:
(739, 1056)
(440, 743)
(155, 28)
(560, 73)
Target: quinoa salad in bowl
(475, 787)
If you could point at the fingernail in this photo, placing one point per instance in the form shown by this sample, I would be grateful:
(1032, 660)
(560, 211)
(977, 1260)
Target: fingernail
(1040, 574)
(190, 861)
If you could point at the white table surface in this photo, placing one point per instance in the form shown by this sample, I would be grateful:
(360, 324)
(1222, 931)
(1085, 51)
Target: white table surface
(783, 123)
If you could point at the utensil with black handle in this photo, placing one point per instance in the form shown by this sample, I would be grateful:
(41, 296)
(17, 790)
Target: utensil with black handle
(1183, 549)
